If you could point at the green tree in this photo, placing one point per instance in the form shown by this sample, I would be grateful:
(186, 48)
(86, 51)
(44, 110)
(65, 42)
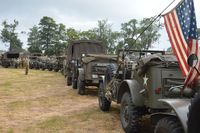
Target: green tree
(131, 33)
(103, 32)
(10, 36)
(150, 35)
(72, 34)
(34, 40)
(88, 35)
(48, 30)
(61, 40)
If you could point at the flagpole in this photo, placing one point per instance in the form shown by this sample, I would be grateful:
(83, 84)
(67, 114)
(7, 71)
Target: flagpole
(152, 22)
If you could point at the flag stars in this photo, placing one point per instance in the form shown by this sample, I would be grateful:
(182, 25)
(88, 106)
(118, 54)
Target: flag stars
(187, 19)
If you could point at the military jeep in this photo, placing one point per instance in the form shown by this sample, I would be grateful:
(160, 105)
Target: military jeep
(148, 86)
(34, 62)
(11, 59)
(92, 69)
(76, 50)
(58, 66)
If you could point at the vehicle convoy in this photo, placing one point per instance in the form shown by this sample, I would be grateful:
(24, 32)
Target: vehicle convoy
(58, 65)
(148, 85)
(76, 49)
(11, 59)
(50, 63)
(92, 70)
(34, 62)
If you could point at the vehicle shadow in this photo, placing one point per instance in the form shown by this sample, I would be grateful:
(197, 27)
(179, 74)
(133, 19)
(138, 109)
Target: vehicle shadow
(91, 91)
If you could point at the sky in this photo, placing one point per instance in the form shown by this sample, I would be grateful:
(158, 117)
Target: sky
(84, 14)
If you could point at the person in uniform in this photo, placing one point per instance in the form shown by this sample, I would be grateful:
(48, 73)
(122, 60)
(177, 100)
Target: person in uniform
(26, 65)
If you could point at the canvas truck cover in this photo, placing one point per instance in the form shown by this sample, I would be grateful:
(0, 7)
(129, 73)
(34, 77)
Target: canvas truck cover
(77, 48)
(12, 55)
(157, 59)
(92, 57)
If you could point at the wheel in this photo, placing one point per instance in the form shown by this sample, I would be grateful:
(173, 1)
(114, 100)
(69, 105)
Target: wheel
(56, 70)
(81, 87)
(129, 115)
(168, 125)
(69, 81)
(74, 83)
(193, 115)
(104, 103)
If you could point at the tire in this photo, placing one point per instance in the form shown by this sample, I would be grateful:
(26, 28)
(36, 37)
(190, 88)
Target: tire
(81, 87)
(168, 125)
(193, 115)
(74, 83)
(56, 70)
(69, 81)
(104, 103)
(129, 115)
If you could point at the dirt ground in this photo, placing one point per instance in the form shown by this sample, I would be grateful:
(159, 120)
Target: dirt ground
(42, 103)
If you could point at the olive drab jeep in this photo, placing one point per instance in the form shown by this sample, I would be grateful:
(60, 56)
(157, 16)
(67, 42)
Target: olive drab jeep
(58, 65)
(50, 63)
(11, 59)
(92, 70)
(34, 62)
(76, 49)
(148, 86)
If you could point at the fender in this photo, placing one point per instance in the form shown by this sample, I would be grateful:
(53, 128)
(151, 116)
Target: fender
(81, 74)
(180, 106)
(134, 88)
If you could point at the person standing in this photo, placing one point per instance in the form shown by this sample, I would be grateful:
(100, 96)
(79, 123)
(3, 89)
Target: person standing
(26, 64)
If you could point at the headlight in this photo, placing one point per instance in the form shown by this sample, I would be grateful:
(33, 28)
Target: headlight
(94, 76)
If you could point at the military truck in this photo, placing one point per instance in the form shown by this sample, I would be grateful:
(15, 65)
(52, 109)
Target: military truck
(92, 69)
(76, 49)
(58, 66)
(34, 62)
(149, 87)
(51, 63)
(42, 62)
(11, 59)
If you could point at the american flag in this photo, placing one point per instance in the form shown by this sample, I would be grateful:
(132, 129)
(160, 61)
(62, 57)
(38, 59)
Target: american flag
(181, 27)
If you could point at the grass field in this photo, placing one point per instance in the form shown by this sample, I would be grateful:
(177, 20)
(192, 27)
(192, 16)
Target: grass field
(42, 103)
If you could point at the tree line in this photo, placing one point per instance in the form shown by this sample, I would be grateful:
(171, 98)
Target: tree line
(52, 38)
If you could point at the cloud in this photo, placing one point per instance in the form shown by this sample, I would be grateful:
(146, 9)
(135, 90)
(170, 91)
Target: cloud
(80, 14)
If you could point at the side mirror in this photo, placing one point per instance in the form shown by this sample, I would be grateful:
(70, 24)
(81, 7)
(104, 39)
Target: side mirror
(192, 60)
